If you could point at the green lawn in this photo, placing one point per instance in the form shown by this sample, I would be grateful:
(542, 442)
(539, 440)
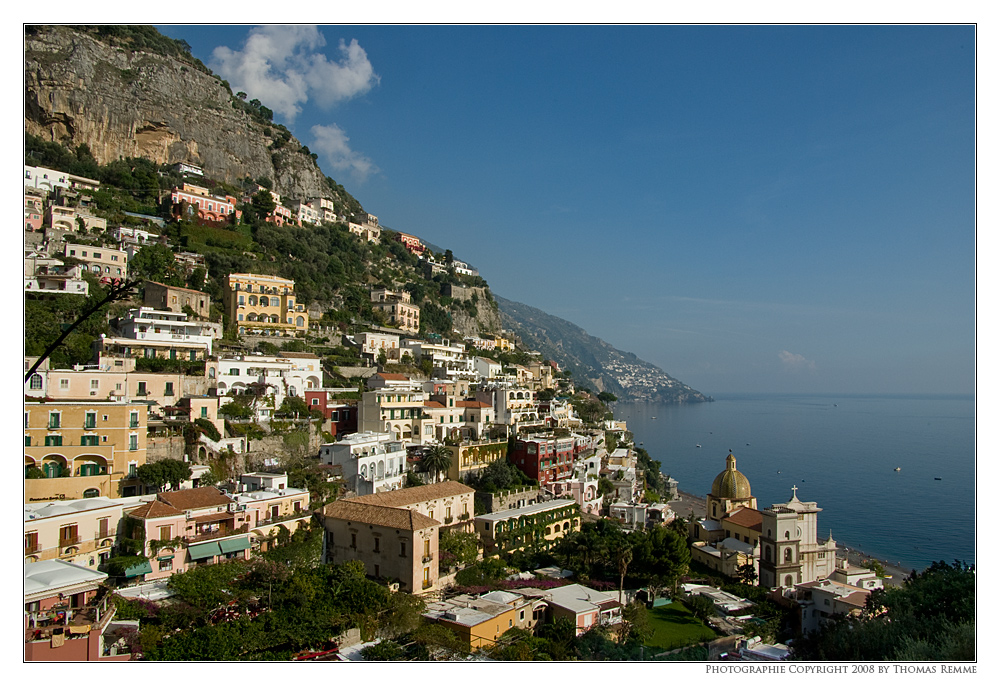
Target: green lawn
(674, 626)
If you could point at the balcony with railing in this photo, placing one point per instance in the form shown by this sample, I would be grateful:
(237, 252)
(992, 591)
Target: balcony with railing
(274, 521)
(427, 558)
(222, 532)
(74, 623)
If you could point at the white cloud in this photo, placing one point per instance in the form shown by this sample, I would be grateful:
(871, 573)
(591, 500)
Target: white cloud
(331, 142)
(795, 362)
(283, 67)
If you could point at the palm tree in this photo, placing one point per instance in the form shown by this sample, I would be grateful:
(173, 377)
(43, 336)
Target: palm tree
(624, 557)
(436, 459)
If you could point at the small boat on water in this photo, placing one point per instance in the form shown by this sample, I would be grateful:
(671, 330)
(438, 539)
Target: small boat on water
(697, 445)
(937, 478)
(897, 469)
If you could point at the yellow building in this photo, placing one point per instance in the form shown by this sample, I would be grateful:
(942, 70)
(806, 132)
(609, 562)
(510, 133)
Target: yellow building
(477, 622)
(399, 311)
(84, 449)
(540, 524)
(473, 457)
(258, 303)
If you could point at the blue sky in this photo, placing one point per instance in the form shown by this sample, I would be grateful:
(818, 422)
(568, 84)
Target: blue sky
(750, 208)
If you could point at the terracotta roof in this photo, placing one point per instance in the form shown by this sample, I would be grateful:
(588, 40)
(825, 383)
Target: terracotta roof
(153, 510)
(433, 404)
(418, 494)
(394, 377)
(746, 517)
(472, 403)
(195, 498)
(391, 517)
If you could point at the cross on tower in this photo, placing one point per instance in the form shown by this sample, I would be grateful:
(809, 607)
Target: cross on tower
(794, 488)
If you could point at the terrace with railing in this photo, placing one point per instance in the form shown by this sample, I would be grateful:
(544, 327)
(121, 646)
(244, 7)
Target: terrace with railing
(71, 622)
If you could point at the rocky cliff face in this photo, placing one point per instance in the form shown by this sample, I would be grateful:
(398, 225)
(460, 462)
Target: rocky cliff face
(138, 104)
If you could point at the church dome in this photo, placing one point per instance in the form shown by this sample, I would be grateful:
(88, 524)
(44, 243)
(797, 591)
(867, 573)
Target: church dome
(731, 484)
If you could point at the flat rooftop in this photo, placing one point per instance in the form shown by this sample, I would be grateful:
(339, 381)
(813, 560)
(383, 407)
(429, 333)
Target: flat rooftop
(526, 510)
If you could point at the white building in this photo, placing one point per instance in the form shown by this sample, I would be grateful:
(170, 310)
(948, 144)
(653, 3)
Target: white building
(134, 236)
(369, 462)
(46, 179)
(287, 374)
(304, 212)
(163, 326)
(630, 515)
(487, 368)
(373, 342)
(324, 209)
(50, 275)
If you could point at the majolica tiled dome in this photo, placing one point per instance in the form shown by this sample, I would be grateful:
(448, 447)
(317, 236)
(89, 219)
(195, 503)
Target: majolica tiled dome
(731, 484)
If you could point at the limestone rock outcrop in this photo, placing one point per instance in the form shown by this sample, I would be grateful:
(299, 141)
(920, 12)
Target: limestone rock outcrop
(125, 103)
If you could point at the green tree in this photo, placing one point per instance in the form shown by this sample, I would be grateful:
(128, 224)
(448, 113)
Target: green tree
(262, 202)
(196, 280)
(701, 607)
(635, 626)
(152, 474)
(463, 545)
(156, 263)
(236, 410)
(384, 651)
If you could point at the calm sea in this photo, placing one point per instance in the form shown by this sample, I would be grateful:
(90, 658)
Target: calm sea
(841, 451)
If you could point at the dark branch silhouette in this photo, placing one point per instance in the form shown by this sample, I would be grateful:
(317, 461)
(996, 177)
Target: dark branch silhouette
(120, 289)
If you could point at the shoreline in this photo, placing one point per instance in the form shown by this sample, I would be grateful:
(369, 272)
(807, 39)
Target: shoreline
(689, 504)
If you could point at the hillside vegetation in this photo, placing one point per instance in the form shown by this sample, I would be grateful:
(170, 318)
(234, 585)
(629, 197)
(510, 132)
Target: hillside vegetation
(149, 104)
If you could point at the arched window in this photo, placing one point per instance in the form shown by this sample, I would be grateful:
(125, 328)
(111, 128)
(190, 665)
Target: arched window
(787, 535)
(35, 383)
(253, 300)
(788, 555)
(251, 317)
(91, 493)
(299, 321)
(788, 580)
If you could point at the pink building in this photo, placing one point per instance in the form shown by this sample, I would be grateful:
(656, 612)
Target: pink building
(33, 208)
(412, 243)
(67, 614)
(206, 207)
(191, 527)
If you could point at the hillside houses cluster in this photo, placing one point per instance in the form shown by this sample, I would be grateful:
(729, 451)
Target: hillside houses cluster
(89, 429)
